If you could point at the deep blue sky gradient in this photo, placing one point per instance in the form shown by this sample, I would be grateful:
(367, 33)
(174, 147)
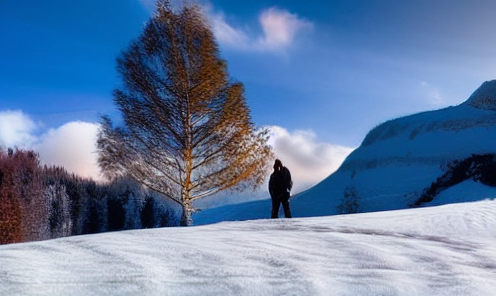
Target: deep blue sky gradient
(363, 62)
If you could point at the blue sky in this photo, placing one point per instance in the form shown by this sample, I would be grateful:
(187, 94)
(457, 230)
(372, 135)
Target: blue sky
(321, 72)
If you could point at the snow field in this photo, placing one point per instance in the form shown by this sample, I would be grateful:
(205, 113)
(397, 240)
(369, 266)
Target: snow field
(445, 250)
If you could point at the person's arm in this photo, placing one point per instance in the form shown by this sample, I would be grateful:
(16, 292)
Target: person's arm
(290, 181)
(271, 185)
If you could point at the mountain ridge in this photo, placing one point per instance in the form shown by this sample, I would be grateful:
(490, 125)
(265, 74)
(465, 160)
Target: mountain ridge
(484, 97)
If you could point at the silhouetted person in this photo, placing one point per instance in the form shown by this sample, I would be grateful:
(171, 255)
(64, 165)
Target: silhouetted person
(280, 184)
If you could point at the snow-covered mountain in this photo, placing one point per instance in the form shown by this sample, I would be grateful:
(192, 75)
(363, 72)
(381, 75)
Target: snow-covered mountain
(396, 161)
(445, 250)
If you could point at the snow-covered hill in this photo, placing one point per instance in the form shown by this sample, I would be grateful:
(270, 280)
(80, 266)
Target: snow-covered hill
(444, 250)
(396, 162)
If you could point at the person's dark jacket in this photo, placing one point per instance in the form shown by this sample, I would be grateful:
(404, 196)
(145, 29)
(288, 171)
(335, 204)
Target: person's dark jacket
(280, 183)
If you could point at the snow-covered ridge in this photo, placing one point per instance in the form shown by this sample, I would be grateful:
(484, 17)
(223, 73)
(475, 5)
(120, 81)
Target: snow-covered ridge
(431, 138)
(448, 119)
(484, 97)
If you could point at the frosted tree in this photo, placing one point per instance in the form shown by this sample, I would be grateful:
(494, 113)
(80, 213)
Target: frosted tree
(350, 203)
(187, 130)
(60, 218)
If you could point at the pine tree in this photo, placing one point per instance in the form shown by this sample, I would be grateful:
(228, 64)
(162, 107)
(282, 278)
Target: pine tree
(10, 205)
(23, 206)
(350, 203)
(187, 130)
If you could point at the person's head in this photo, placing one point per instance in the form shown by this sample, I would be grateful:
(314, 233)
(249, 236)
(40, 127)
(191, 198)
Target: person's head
(277, 165)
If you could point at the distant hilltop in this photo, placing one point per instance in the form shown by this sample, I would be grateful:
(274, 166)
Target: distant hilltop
(447, 119)
(484, 97)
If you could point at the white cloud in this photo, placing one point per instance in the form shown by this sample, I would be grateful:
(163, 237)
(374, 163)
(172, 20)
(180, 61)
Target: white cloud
(279, 28)
(72, 146)
(16, 129)
(225, 33)
(308, 159)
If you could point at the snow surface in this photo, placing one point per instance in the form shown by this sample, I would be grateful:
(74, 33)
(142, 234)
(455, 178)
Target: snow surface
(322, 205)
(444, 250)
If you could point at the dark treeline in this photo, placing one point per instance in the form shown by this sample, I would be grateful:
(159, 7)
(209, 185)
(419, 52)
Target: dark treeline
(39, 203)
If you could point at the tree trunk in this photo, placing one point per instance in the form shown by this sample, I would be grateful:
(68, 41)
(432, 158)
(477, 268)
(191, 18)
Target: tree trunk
(186, 219)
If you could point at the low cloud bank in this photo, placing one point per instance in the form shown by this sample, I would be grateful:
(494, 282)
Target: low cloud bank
(73, 146)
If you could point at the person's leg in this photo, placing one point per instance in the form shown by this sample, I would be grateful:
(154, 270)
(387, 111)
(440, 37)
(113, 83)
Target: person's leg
(285, 206)
(275, 208)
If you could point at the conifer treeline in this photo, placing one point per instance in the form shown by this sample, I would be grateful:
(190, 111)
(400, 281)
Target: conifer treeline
(39, 203)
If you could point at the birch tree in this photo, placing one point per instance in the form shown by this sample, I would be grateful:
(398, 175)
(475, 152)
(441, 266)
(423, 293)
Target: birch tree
(187, 131)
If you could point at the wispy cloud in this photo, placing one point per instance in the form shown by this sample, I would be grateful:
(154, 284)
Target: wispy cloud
(279, 28)
(225, 33)
(433, 94)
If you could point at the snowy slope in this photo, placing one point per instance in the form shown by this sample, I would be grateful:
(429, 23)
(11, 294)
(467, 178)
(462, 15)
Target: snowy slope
(396, 162)
(401, 157)
(445, 250)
